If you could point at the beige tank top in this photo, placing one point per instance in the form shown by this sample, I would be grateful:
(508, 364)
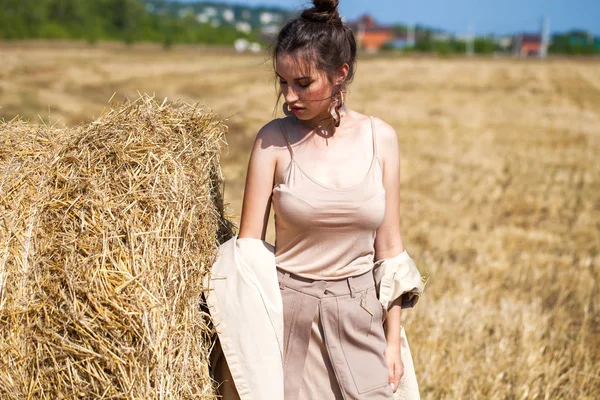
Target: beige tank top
(323, 232)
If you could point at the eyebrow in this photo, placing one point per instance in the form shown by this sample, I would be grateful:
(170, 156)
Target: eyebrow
(296, 79)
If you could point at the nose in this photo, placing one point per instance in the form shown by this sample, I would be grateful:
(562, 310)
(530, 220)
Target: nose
(289, 95)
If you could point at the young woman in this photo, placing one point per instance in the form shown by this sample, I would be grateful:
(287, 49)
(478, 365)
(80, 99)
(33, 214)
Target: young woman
(332, 176)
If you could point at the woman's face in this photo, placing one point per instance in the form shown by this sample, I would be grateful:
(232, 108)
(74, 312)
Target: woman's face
(306, 90)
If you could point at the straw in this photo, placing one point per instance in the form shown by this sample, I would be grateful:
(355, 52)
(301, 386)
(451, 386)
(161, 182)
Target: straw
(106, 231)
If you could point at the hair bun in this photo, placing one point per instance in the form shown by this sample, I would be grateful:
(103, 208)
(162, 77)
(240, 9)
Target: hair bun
(326, 5)
(325, 11)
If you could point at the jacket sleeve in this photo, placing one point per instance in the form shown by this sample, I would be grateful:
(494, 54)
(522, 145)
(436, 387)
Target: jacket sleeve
(398, 277)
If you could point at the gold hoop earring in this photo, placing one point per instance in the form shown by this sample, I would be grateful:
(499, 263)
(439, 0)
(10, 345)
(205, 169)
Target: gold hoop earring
(342, 107)
(287, 110)
(338, 108)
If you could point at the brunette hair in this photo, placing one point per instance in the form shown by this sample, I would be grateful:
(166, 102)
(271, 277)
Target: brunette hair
(319, 37)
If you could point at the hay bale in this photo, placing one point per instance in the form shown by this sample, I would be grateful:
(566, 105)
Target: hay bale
(106, 231)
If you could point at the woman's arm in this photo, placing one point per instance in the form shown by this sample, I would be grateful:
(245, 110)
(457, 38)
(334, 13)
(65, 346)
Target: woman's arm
(258, 190)
(388, 240)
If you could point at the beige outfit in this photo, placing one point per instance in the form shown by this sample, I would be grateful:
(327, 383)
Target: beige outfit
(332, 314)
(323, 232)
(324, 253)
(334, 336)
(248, 358)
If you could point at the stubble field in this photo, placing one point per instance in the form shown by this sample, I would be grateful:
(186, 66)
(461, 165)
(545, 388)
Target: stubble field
(500, 191)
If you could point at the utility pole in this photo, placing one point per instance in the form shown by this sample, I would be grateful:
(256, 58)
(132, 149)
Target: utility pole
(545, 37)
(410, 35)
(471, 39)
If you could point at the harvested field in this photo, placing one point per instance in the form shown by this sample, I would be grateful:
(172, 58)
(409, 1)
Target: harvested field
(500, 191)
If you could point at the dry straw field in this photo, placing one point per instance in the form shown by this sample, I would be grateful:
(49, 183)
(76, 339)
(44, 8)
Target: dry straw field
(500, 191)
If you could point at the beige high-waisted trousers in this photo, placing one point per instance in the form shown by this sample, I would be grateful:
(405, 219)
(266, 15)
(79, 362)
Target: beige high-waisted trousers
(334, 340)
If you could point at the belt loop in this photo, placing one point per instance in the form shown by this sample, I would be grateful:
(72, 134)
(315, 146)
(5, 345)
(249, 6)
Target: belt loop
(282, 281)
(352, 292)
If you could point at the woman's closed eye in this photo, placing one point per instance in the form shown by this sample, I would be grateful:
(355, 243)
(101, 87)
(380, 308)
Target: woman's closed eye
(302, 84)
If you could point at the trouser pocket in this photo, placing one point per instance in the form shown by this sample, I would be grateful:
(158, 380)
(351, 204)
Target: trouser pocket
(362, 339)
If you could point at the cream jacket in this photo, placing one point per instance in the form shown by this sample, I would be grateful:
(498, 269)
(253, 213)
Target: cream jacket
(245, 304)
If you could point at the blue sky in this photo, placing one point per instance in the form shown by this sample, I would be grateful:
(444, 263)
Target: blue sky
(487, 16)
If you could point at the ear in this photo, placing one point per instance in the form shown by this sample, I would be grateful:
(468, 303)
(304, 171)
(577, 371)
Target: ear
(341, 73)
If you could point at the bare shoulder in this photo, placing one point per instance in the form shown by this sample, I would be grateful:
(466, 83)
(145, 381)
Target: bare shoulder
(387, 141)
(270, 137)
(386, 134)
(269, 152)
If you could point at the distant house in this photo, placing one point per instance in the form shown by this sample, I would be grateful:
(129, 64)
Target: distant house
(243, 26)
(228, 15)
(405, 39)
(210, 12)
(243, 45)
(504, 42)
(371, 36)
(441, 37)
(267, 18)
(268, 34)
(402, 41)
(528, 44)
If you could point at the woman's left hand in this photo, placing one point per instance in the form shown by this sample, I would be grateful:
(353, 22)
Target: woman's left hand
(395, 365)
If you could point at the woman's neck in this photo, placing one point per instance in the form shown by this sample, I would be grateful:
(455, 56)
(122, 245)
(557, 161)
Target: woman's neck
(322, 125)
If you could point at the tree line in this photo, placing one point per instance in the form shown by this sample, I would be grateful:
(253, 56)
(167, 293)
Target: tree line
(117, 20)
(575, 42)
(131, 21)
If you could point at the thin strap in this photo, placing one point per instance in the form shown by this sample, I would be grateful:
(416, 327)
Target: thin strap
(287, 142)
(374, 140)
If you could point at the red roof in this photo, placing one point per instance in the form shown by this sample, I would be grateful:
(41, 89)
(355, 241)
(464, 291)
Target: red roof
(368, 24)
(530, 38)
